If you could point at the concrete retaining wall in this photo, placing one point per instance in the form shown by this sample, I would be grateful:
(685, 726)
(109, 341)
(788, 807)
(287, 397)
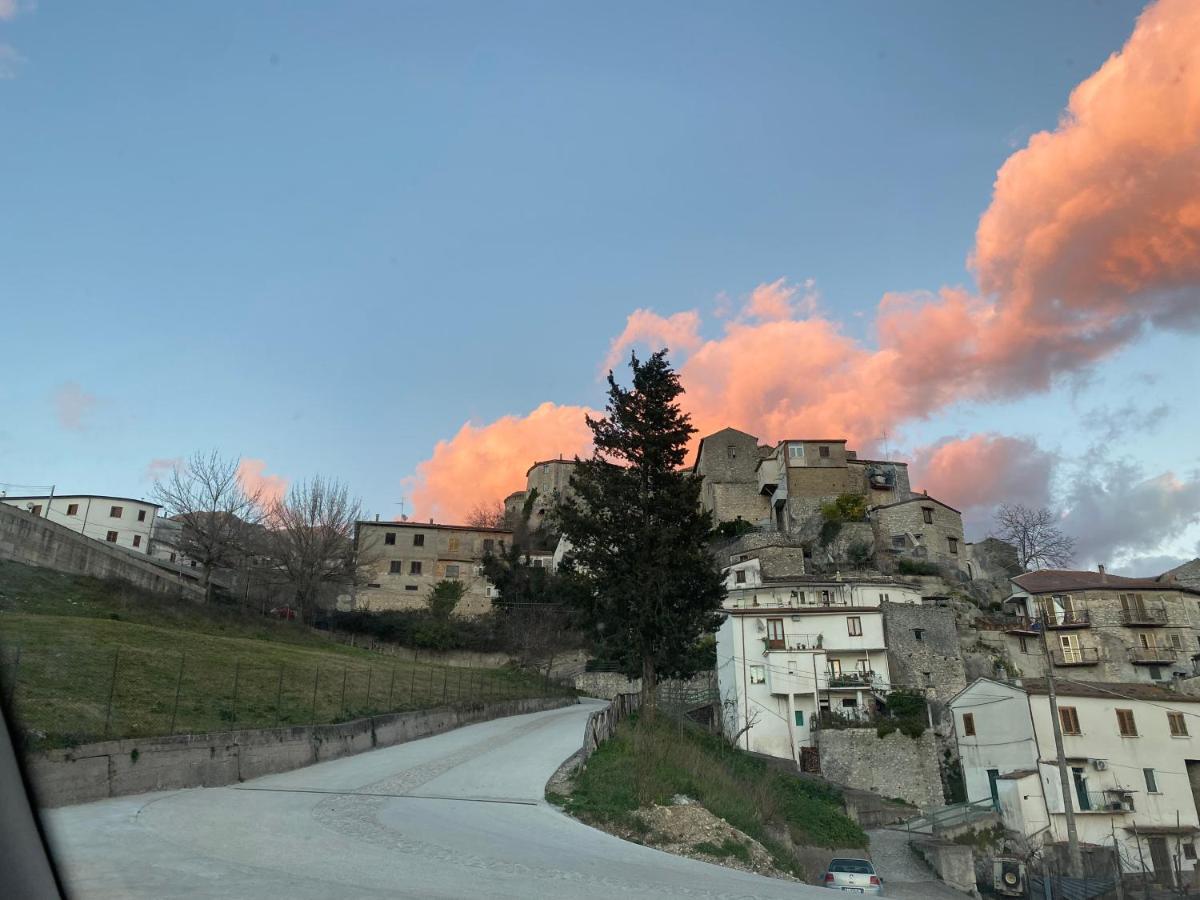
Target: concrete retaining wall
(35, 541)
(137, 765)
(954, 863)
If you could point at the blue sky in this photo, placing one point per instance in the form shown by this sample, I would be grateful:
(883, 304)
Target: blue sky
(326, 236)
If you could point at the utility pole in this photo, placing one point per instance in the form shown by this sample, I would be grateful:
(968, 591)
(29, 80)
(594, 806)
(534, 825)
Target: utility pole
(1064, 776)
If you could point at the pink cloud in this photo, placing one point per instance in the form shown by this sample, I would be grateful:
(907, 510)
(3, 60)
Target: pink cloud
(270, 488)
(984, 470)
(72, 404)
(644, 327)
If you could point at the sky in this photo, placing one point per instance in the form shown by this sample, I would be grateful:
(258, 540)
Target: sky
(398, 243)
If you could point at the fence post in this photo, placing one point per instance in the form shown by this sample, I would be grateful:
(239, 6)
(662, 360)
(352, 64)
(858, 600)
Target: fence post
(391, 687)
(279, 699)
(370, 675)
(445, 682)
(316, 678)
(178, 685)
(112, 689)
(458, 687)
(345, 675)
(412, 685)
(237, 677)
(12, 691)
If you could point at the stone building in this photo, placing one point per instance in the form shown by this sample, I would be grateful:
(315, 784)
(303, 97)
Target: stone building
(1187, 575)
(409, 558)
(726, 462)
(922, 527)
(1102, 627)
(551, 479)
(923, 650)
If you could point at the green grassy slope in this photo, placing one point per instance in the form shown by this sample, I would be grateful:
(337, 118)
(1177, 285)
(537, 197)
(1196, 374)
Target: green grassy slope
(182, 667)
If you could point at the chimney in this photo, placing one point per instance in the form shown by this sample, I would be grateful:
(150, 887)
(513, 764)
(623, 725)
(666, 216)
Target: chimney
(376, 517)
(431, 521)
(1100, 569)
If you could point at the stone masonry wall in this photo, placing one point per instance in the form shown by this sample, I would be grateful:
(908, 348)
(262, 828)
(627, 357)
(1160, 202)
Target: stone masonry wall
(35, 541)
(923, 649)
(895, 766)
(935, 536)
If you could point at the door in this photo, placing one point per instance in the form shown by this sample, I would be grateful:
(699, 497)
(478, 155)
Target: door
(1160, 859)
(1069, 644)
(775, 640)
(835, 668)
(1081, 791)
(993, 777)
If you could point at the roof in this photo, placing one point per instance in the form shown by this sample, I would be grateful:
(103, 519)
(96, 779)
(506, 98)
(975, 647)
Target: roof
(434, 525)
(1046, 581)
(546, 462)
(811, 441)
(79, 497)
(879, 462)
(917, 498)
(824, 580)
(1108, 690)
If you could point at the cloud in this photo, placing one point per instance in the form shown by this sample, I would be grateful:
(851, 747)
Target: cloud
(8, 9)
(1091, 237)
(252, 475)
(1115, 511)
(1111, 424)
(977, 473)
(483, 463)
(647, 328)
(158, 468)
(1149, 566)
(72, 404)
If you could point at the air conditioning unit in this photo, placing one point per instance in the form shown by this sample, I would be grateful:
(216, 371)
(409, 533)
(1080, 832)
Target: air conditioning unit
(1099, 765)
(1008, 877)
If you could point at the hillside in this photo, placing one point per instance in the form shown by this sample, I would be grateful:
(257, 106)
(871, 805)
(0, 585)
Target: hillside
(182, 667)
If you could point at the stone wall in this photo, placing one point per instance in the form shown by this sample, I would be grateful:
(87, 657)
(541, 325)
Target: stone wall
(25, 538)
(923, 650)
(936, 536)
(608, 685)
(138, 765)
(895, 766)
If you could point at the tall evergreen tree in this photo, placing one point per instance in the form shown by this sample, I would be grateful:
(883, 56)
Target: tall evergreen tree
(637, 532)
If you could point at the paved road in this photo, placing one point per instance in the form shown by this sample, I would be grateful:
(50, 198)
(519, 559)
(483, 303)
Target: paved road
(456, 815)
(905, 875)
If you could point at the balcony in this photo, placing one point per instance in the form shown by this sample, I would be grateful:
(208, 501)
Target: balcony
(852, 680)
(1143, 615)
(1067, 618)
(1112, 802)
(1075, 656)
(793, 642)
(1022, 625)
(1152, 656)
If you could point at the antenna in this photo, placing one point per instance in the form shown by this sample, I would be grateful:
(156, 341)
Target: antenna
(400, 503)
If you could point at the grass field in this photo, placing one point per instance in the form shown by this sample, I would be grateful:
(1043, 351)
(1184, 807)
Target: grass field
(648, 763)
(83, 659)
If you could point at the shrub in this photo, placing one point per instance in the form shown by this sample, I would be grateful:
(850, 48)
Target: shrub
(845, 508)
(860, 554)
(737, 527)
(728, 847)
(884, 729)
(917, 567)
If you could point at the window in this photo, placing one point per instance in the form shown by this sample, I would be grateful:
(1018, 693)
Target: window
(1023, 642)
(452, 570)
(72, 509)
(825, 597)
(775, 639)
(800, 722)
(1155, 672)
(953, 542)
(137, 540)
(849, 703)
(172, 557)
(410, 587)
(374, 584)
(897, 542)
(1151, 781)
(758, 674)
(1177, 640)
(396, 567)
(37, 510)
(1125, 723)
(390, 538)
(1068, 718)
(418, 540)
(740, 576)
(835, 668)
(969, 724)
(414, 567)
(731, 451)
(918, 634)
(791, 667)
(854, 626)
(823, 452)
(111, 537)
(115, 511)
(1178, 724)
(141, 515)
(538, 564)
(795, 451)
(927, 514)
(453, 544)
(488, 545)
(1189, 851)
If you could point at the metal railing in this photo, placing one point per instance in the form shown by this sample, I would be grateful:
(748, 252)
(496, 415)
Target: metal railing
(793, 642)
(1108, 802)
(808, 601)
(1075, 656)
(852, 679)
(1151, 655)
(1144, 614)
(1067, 618)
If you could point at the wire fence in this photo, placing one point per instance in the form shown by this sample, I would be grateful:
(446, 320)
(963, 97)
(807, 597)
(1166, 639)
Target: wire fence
(63, 698)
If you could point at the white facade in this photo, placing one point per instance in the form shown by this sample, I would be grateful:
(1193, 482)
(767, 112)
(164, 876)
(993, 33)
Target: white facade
(1134, 789)
(122, 521)
(789, 649)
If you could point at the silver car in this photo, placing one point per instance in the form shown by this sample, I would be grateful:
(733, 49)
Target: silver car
(855, 876)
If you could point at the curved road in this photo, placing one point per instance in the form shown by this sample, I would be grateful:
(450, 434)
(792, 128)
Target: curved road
(460, 814)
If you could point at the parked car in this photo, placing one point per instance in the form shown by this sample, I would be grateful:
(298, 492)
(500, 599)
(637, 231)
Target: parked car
(854, 876)
(284, 612)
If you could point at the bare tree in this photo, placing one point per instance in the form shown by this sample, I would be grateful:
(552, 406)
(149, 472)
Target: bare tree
(310, 537)
(214, 509)
(1039, 542)
(488, 515)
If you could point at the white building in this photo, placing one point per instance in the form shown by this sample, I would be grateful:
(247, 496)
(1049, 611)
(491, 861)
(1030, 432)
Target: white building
(1134, 755)
(123, 521)
(792, 646)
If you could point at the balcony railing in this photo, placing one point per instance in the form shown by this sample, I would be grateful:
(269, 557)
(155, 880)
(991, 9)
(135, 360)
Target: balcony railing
(765, 601)
(1075, 656)
(1022, 625)
(854, 679)
(1152, 656)
(1109, 802)
(1067, 618)
(1145, 615)
(793, 642)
